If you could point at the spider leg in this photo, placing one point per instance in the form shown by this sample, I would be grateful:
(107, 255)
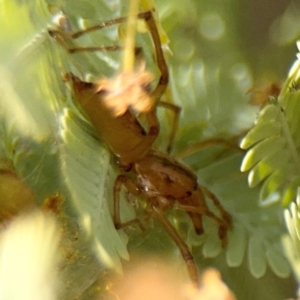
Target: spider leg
(61, 37)
(160, 59)
(225, 215)
(176, 111)
(132, 189)
(196, 208)
(229, 144)
(183, 248)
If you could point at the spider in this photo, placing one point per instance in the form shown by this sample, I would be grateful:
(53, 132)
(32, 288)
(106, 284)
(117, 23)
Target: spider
(158, 178)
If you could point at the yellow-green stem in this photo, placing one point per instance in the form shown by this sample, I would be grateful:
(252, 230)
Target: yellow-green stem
(129, 44)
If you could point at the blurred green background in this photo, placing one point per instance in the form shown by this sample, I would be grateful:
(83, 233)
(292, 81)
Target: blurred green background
(220, 50)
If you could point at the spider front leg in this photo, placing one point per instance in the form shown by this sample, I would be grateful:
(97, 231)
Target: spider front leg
(132, 189)
(160, 58)
(176, 111)
(61, 36)
(182, 246)
(197, 209)
(225, 215)
(227, 144)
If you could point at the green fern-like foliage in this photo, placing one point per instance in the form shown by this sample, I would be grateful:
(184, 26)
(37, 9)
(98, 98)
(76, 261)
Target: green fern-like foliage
(273, 145)
(53, 146)
(291, 241)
